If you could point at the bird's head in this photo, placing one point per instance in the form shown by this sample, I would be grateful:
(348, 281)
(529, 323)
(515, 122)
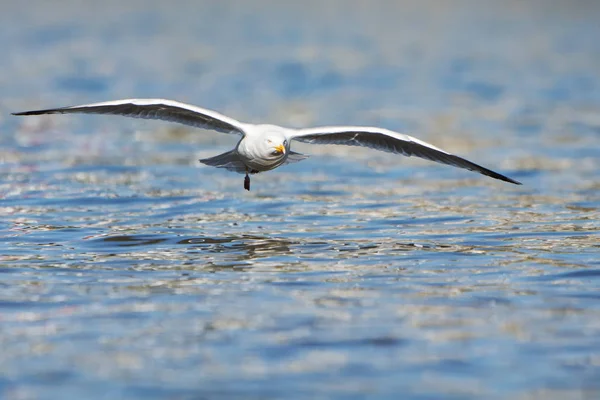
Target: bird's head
(275, 146)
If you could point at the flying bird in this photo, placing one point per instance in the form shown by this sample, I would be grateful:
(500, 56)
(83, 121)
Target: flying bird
(265, 147)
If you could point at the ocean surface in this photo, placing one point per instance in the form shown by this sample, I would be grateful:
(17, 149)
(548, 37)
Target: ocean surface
(130, 270)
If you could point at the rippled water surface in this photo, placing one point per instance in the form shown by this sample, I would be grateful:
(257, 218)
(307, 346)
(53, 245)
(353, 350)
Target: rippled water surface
(129, 270)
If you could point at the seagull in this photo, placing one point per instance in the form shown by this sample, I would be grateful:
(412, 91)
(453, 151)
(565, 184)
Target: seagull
(265, 147)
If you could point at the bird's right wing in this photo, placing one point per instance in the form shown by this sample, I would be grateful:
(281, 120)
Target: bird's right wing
(167, 110)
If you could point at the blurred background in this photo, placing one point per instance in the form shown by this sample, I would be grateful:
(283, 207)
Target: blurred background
(129, 270)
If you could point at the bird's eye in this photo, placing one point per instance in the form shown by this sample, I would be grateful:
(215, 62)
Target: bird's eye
(285, 142)
(275, 153)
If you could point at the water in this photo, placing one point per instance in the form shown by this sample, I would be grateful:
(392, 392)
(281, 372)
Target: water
(129, 270)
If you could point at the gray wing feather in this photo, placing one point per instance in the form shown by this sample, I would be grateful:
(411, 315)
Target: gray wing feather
(294, 157)
(229, 160)
(391, 142)
(167, 110)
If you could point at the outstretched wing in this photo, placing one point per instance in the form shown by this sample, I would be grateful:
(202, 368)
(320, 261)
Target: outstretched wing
(167, 110)
(391, 142)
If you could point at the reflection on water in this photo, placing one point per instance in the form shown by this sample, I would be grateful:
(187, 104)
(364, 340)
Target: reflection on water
(128, 270)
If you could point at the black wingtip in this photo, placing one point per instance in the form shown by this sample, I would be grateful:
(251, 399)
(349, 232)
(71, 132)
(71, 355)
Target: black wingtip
(34, 112)
(482, 170)
(501, 177)
(507, 179)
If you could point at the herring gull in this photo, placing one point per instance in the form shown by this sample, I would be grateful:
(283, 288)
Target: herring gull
(265, 147)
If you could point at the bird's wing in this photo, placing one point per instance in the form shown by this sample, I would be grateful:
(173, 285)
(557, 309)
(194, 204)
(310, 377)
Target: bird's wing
(294, 157)
(228, 160)
(392, 142)
(167, 110)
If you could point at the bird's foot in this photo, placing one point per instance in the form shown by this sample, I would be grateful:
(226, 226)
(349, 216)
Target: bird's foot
(247, 183)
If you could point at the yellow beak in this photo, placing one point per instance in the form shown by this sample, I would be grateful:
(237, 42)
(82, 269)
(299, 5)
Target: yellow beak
(280, 148)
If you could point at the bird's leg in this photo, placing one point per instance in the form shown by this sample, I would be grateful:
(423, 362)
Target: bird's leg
(247, 182)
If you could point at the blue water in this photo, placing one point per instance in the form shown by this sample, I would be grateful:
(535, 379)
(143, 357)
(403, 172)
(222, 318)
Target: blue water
(129, 270)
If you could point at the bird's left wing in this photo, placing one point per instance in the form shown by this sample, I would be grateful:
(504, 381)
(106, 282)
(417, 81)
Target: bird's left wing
(167, 110)
(391, 142)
